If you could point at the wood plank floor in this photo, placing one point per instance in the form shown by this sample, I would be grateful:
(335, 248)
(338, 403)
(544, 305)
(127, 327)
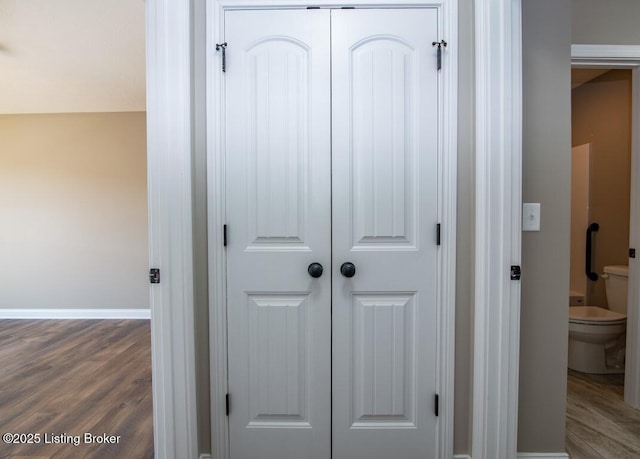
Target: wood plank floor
(599, 423)
(67, 377)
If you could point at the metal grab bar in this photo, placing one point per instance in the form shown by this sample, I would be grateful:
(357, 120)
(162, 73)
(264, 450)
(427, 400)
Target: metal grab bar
(594, 227)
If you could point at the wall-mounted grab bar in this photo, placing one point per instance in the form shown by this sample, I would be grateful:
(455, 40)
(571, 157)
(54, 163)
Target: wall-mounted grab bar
(587, 265)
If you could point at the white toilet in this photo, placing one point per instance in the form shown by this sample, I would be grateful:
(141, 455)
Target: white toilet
(597, 335)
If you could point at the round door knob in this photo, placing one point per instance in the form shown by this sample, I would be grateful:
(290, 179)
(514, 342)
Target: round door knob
(315, 270)
(348, 269)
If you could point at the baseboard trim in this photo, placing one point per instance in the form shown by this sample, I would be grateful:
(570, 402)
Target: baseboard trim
(75, 313)
(562, 455)
(466, 456)
(521, 456)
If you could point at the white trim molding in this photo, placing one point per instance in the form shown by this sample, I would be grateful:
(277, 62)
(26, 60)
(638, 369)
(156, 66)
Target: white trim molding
(625, 56)
(74, 314)
(498, 42)
(169, 130)
(605, 55)
(448, 18)
(448, 213)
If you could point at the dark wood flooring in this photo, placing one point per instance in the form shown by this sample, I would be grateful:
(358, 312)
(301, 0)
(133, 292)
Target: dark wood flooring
(65, 378)
(599, 423)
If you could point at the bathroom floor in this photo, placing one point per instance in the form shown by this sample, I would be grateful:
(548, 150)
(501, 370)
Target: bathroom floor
(599, 423)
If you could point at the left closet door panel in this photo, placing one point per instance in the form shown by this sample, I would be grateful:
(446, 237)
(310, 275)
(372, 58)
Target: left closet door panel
(278, 185)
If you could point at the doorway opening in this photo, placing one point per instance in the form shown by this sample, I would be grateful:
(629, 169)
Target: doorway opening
(365, 199)
(74, 293)
(602, 221)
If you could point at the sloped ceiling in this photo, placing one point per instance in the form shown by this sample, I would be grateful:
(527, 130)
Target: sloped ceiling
(60, 56)
(580, 76)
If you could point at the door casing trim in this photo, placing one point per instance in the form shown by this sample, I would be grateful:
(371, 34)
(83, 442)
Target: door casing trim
(169, 148)
(496, 344)
(448, 19)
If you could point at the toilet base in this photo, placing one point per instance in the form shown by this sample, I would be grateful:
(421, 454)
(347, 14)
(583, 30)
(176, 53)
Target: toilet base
(593, 358)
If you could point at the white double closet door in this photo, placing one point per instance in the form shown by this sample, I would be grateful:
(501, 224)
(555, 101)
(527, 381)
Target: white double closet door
(331, 158)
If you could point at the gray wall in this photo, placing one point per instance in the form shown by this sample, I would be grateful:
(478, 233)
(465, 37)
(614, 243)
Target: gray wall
(465, 237)
(200, 245)
(606, 22)
(549, 27)
(545, 254)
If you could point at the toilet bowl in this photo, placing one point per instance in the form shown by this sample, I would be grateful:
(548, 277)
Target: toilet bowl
(597, 335)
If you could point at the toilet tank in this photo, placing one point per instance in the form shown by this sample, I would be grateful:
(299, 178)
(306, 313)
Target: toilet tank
(615, 278)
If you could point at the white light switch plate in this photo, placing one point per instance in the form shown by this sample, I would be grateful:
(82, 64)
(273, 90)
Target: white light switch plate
(531, 216)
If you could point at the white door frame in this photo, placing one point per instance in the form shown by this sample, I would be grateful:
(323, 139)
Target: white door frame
(169, 162)
(216, 200)
(498, 42)
(627, 57)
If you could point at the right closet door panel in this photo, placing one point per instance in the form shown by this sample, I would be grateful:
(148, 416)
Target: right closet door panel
(385, 212)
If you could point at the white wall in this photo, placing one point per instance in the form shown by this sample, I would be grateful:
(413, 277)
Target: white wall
(73, 211)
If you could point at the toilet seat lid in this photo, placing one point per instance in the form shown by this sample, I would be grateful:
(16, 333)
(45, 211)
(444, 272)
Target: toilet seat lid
(594, 315)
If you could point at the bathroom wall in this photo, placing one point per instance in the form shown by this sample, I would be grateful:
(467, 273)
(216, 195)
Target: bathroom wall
(601, 115)
(580, 217)
(73, 211)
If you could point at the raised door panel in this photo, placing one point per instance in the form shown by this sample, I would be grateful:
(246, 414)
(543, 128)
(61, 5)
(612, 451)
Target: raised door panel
(277, 136)
(384, 144)
(383, 353)
(279, 353)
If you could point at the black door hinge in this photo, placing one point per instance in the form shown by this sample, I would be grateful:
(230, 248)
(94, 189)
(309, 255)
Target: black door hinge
(227, 404)
(223, 47)
(516, 272)
(224, 235)
(632, 253)
(438, 234)
(440, 44)
(436, 405)
(154, 276)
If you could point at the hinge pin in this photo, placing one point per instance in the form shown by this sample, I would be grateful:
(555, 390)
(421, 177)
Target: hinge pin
(440, 45)
(223, 47)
